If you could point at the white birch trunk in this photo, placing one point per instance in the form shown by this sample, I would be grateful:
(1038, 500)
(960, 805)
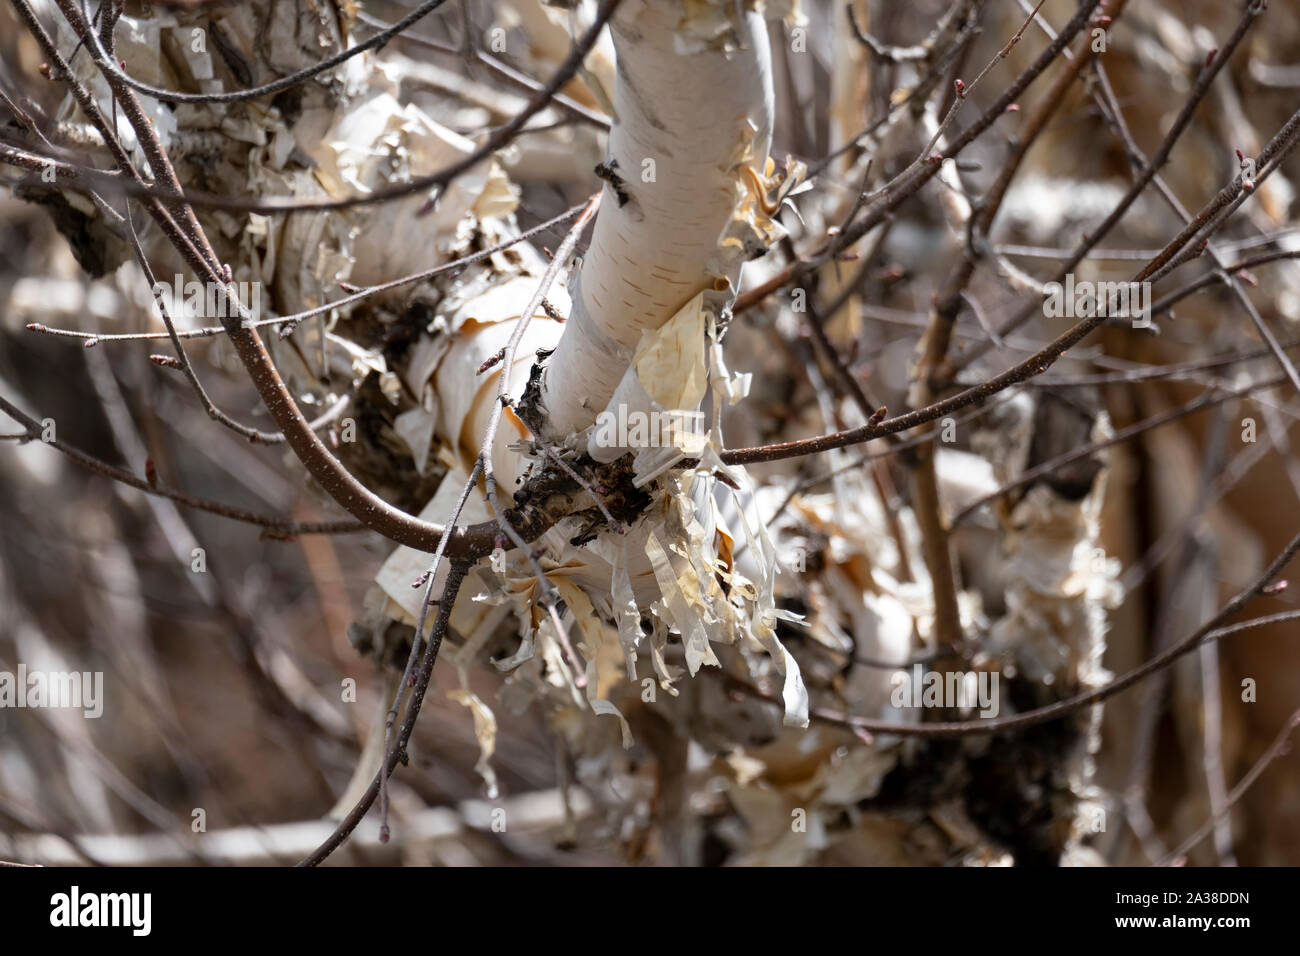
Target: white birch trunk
(687, 123)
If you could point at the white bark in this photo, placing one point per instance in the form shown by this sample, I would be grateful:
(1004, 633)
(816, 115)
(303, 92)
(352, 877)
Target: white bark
(685, 207)
(687, 122)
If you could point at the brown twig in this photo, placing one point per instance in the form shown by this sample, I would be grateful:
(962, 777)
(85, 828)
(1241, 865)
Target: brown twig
(397, 754)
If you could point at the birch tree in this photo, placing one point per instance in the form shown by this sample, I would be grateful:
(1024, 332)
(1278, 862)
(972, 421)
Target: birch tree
(879, 644)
